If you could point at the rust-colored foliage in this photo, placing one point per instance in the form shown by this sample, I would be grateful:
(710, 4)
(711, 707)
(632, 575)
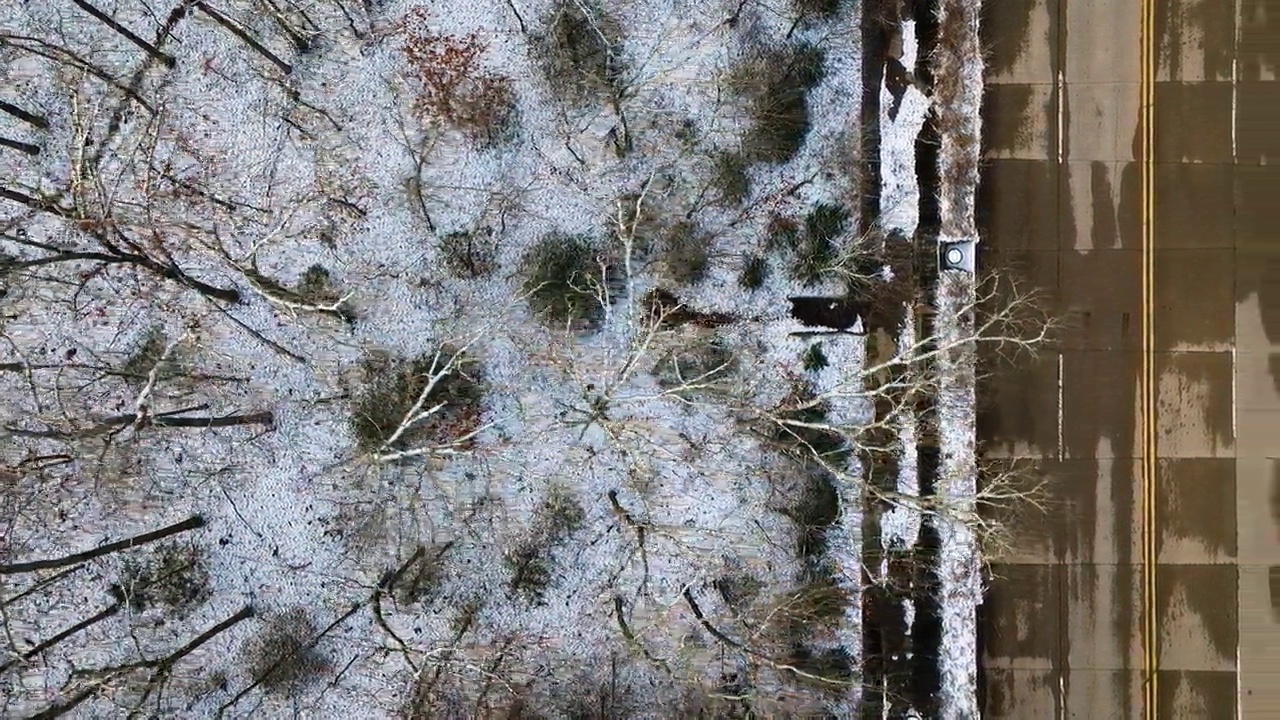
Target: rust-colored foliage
(454, 87)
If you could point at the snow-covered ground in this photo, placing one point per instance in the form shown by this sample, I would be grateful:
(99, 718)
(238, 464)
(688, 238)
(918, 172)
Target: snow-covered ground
(958, 70)
(241, 170)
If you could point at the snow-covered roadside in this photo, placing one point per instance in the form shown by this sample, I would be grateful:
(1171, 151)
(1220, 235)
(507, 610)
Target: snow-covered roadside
(958, 93)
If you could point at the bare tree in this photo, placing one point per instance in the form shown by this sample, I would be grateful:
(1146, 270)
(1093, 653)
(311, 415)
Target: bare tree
(110, 211)
(147, 375)
(1006, 318)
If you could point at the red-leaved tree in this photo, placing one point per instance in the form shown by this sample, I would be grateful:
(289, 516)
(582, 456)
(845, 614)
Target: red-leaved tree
(454, 87)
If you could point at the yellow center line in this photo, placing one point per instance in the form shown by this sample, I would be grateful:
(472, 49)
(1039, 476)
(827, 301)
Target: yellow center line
(1146, 121)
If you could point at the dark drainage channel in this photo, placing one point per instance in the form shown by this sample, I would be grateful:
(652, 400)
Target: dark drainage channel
(875, 41)
(901, 674)
(926, 631)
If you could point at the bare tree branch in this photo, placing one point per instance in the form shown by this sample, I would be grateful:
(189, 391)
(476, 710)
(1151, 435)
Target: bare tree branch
(92, 620)
(34, 203)
(388, 580)
(26, 117)
(113, 255)
(110, 22)
(239, 32)
(161, 669)
(60, 54)
(27, 148)
(191, 523)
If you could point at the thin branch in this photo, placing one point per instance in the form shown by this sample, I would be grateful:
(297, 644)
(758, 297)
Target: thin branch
(39, 585)
(106, 370)
(88, 622)
(272, 344)
(164, 666)
(191, 523)
(629, 635)
(61, 709)
(386, 585)
(171, 271)
(717, 634)
(292, 300)
(140, 404)
(114, 255)
(387, 581)
(265, 417)
(640, 529)
(20, 146)
(161, 666)
(24, 116)
(33, 203)
(523, 30)
(239, 32)
(110, 22)
(77, 61)
(244, 614)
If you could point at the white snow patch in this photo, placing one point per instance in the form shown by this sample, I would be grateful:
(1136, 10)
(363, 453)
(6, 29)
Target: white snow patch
(899, 188)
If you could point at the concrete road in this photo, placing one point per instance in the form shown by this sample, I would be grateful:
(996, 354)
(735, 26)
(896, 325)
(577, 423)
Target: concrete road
(1152, 586)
